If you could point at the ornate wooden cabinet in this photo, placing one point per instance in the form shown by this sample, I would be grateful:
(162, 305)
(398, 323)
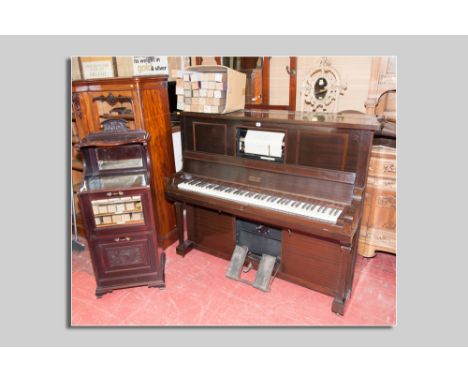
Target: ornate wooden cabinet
(378, 227)
(139, 103)
(116, 204)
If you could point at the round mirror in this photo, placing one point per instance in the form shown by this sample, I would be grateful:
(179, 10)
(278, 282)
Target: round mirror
(320, 88)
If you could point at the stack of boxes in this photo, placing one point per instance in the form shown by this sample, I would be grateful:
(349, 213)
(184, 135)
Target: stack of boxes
(205, 90)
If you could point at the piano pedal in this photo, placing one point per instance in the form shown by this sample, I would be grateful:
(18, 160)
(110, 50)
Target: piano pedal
(264, 273)
(237, 262)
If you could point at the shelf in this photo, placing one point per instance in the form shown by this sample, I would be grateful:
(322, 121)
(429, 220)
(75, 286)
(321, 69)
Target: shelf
(123, 223)
(117, 213)
(127, 117)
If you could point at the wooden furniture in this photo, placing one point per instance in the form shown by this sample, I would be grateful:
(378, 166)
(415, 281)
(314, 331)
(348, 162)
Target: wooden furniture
(258, 83)
(313, 191)
(378, 228)
(77, 175)
(142, 102)
(382, 79)
(116, 203)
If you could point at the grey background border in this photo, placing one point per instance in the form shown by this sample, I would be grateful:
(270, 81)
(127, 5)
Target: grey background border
(432, 131)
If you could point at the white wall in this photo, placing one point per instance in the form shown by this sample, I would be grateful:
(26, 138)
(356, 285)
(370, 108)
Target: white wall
(355, 71)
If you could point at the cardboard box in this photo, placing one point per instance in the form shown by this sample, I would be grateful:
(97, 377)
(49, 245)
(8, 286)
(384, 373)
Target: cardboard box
(234, 92)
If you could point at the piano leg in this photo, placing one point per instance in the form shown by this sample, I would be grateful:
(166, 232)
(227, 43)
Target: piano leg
(338, 306)
(184, 245)
(344, 288)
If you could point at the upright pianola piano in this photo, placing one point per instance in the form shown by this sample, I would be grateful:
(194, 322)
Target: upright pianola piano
(301, 175)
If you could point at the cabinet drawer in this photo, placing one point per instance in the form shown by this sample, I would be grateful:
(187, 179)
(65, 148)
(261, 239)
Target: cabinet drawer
(125, 256)
(383, 239)
(382, 167)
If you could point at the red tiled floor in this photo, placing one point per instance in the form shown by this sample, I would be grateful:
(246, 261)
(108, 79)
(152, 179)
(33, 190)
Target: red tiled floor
(198, 293)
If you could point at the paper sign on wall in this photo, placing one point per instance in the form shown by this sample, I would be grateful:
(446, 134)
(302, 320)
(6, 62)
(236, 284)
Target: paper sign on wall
(97, 67)
(150, 65)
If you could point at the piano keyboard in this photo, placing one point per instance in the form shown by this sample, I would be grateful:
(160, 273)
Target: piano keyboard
(316, 211)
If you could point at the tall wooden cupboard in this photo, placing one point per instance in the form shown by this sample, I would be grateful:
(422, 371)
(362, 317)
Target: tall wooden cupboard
(142, 103)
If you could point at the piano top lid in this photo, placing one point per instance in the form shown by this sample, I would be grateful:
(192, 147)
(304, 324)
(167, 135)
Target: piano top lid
(344, 120)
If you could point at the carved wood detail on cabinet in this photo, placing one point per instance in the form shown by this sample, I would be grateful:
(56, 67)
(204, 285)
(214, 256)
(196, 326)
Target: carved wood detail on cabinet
(378, 228)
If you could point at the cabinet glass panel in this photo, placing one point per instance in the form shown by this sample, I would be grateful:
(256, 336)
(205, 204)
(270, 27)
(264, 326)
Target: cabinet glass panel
(97, 183)
(121, 210)
(124, 157)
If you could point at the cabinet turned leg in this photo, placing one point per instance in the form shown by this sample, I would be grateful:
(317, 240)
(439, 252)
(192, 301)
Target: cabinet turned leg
(184, 245)
(338, 306)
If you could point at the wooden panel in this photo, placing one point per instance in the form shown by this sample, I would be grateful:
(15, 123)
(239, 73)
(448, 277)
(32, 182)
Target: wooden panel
(125, 258)
(210, 137)
(378, 228)
(335, 150)
(382, 167)
(155, 107)
(212, 231)
(311, 261)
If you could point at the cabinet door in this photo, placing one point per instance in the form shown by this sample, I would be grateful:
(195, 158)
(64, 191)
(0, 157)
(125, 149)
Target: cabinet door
(125, 256)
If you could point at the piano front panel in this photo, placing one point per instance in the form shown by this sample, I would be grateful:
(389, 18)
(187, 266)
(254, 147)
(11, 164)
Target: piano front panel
(311, 261)
(212, 231)
(210, 137)
(306, 260)
(316, 147)
(333, 151)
